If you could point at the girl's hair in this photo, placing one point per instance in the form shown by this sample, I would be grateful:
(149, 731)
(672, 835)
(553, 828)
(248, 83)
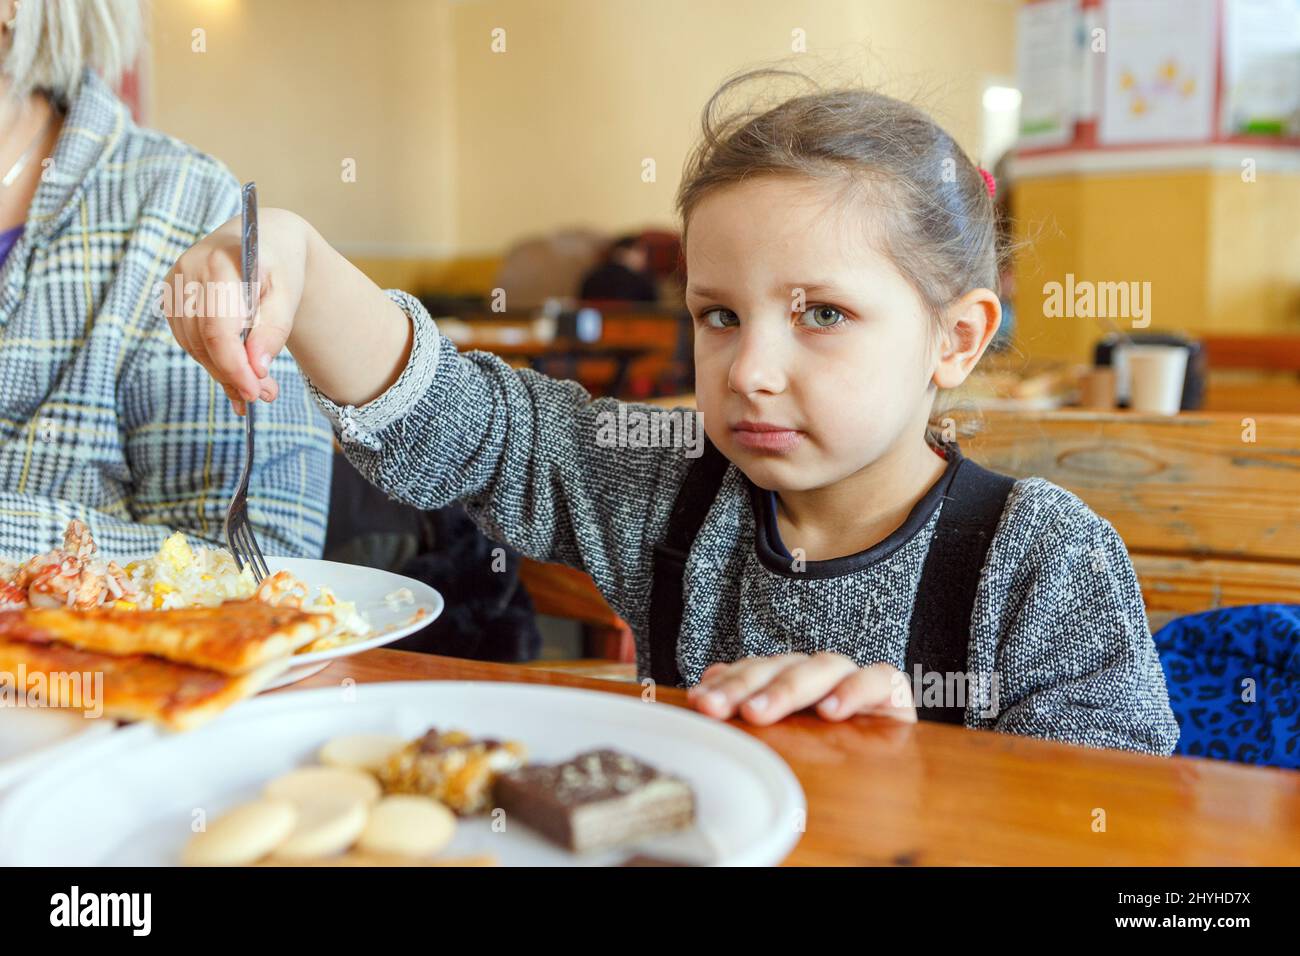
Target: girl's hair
(54, 41)
(938, 223)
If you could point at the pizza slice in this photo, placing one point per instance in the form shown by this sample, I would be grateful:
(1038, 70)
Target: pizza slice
(232, 638)
(129, 687)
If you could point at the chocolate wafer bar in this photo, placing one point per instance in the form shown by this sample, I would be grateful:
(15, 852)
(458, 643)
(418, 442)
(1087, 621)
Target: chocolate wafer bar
(598, 799)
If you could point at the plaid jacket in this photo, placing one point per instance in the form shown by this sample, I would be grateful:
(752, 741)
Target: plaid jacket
(103, 417)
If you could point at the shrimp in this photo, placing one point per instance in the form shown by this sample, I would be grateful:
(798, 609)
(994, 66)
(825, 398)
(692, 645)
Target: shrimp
(282, 589)
(77, 541)
(70, 577)
(90, 591)
(12, 597)
(52, 580)
(29, 569)
(119, 583)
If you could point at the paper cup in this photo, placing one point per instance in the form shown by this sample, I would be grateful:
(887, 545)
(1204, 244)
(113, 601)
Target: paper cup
(1156, 374)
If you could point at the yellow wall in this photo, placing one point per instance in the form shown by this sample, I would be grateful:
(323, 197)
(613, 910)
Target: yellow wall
(1253, 244)
(461, 151)
(1220, 254)
(289, 89)
(554, 130)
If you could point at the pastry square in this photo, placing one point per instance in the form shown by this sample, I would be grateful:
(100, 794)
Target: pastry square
(453, 768)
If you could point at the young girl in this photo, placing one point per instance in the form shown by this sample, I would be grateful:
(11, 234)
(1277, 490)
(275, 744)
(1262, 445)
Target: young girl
(826, 550)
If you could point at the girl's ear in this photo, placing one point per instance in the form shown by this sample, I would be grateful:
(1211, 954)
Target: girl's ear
(972, 321)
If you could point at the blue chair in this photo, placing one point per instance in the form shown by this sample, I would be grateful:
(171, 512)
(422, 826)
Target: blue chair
(1234, 683)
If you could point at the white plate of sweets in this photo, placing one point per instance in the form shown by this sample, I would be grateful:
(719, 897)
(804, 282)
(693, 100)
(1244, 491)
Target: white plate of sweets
(353, 776)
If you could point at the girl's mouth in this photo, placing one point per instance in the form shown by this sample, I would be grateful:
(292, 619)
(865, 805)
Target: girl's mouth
(766, 437)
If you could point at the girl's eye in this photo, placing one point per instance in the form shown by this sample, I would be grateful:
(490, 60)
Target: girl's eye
(823, 316)
(719, 318)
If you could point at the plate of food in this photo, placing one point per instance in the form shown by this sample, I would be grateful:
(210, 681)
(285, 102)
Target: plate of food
(382, 607)
(177, 637)
(416, 773)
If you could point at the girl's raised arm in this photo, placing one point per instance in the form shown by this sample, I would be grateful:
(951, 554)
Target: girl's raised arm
(348, 337)
(539, 465)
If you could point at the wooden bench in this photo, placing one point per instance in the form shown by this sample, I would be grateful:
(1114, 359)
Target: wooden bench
(1253, 373)
(1207, 503)
(561, 591)
(1280, 353)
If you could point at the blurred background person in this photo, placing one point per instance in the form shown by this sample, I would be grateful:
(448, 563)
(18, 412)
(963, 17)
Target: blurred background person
(623, 276)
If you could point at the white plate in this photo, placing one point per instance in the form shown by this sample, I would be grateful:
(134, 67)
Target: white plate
(33, 738)
(369, 589)
(130, 798)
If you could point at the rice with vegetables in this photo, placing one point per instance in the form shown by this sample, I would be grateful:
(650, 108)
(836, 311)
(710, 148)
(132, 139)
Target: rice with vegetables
(182, 576)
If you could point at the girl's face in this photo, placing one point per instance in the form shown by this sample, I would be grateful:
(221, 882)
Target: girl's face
(802, 399)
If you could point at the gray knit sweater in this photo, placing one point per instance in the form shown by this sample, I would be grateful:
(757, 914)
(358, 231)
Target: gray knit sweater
(1059, 642)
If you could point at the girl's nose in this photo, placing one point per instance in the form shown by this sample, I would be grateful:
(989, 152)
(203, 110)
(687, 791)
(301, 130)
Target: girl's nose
(759, 362)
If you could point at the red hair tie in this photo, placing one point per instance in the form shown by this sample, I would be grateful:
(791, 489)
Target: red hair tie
(990, 182)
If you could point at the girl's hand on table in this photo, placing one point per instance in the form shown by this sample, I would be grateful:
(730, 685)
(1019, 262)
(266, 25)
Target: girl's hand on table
(762, 690)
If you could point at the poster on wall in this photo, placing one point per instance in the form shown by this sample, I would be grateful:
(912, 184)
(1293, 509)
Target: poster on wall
(1160, 71)
(1261, 68)
(1047, 68)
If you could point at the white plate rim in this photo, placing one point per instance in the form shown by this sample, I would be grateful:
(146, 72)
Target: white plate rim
(426, 597)
(772, 769)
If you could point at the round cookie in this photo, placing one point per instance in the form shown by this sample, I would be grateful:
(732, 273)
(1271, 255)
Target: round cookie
(244, 835)
(308, 783)
(360, 751)
(408, 825)
(326, 825)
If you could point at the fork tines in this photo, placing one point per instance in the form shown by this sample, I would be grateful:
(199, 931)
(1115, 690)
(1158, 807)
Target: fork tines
(243, 545)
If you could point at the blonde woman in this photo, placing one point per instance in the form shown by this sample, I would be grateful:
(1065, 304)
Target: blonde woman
(103, 417)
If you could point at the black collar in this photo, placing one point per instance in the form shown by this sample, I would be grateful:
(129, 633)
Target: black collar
(773, 555)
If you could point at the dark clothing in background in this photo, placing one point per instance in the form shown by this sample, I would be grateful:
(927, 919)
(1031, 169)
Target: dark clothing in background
(488, 614)
(614, 282)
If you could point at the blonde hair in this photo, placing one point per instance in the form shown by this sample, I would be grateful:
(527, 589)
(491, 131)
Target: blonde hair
(54, 41)
(942, 228)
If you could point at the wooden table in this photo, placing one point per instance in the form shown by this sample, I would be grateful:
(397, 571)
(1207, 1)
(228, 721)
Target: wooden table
(926, 794)
(559, 358)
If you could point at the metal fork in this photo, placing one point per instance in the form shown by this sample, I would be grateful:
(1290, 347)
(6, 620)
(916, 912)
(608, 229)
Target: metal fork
(239, 530)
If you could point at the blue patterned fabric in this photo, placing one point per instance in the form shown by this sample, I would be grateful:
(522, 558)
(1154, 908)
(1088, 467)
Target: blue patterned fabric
(1234, 683)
